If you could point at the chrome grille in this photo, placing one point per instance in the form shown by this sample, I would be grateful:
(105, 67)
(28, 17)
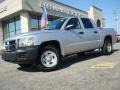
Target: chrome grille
(10, 45)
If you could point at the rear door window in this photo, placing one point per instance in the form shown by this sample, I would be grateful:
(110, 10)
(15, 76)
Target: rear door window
(87, 23)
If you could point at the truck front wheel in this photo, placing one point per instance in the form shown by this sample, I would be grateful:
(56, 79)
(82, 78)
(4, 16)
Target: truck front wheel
(107, 47)
(50, 58)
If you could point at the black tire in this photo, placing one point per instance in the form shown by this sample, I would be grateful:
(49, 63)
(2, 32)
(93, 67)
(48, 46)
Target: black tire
(56, 52)
(25, 65)
(106, 47)
(81, 53)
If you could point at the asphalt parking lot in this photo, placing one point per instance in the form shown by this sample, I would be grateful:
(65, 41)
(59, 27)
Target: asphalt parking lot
(92, 71)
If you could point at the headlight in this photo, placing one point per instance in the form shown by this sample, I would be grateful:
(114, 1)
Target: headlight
(25, 41)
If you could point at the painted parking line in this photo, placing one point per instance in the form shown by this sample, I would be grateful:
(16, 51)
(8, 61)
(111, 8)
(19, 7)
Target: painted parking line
(104, 65)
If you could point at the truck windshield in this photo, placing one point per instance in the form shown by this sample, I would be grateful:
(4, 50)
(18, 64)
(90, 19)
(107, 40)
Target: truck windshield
(55, 25)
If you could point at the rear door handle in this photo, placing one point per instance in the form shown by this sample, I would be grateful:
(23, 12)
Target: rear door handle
(96, 32)
(81, 32)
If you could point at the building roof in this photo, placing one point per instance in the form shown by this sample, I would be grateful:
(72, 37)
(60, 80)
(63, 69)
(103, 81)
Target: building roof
(1, 1)
(96, 8)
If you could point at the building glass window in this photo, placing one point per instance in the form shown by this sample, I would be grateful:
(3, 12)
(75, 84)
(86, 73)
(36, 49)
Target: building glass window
(35, 22)
(11, 27)
(18, 25)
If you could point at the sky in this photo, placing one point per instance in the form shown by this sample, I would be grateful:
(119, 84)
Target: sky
(107, 7)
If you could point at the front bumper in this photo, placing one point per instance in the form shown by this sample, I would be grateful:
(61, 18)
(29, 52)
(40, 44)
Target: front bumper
(24, 55)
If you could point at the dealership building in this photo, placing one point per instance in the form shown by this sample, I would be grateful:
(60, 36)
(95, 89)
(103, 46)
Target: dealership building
(20, 16)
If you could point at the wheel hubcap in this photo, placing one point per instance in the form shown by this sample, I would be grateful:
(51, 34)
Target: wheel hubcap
(49, 59)
(109, 47)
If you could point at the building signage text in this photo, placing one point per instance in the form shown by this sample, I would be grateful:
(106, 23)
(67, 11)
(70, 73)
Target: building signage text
(2, 9)
(63, 10)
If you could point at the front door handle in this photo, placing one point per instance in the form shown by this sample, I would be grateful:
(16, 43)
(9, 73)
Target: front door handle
(96, 32)
(81, 32)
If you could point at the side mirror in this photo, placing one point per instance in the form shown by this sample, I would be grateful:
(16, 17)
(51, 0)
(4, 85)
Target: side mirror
(69, 27)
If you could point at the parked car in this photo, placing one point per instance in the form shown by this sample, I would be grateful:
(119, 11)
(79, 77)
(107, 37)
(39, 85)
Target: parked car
(118, 38)
(45, 48)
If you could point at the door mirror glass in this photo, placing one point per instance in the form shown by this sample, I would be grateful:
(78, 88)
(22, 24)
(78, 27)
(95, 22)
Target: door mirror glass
(73, 23)
(69, 27)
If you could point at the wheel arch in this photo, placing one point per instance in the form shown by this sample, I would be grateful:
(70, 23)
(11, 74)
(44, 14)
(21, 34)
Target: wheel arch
(108, 37)
(105, 48)
(55, 43)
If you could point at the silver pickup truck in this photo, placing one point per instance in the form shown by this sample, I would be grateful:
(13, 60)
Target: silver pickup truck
(46, 47)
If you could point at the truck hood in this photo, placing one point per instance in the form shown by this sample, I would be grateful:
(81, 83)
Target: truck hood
(32, 33)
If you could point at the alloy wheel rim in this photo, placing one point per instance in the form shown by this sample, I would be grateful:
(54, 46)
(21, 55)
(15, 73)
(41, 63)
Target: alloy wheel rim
(49, 59)
(109, 47)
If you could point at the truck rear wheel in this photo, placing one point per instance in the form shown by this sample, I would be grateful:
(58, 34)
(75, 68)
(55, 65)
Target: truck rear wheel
(107, 48)
(50, 58)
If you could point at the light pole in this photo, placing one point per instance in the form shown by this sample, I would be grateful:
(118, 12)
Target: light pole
(116, 18)
(116, 22)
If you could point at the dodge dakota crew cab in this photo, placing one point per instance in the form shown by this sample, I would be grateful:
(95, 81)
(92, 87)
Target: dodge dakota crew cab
(45, 48)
